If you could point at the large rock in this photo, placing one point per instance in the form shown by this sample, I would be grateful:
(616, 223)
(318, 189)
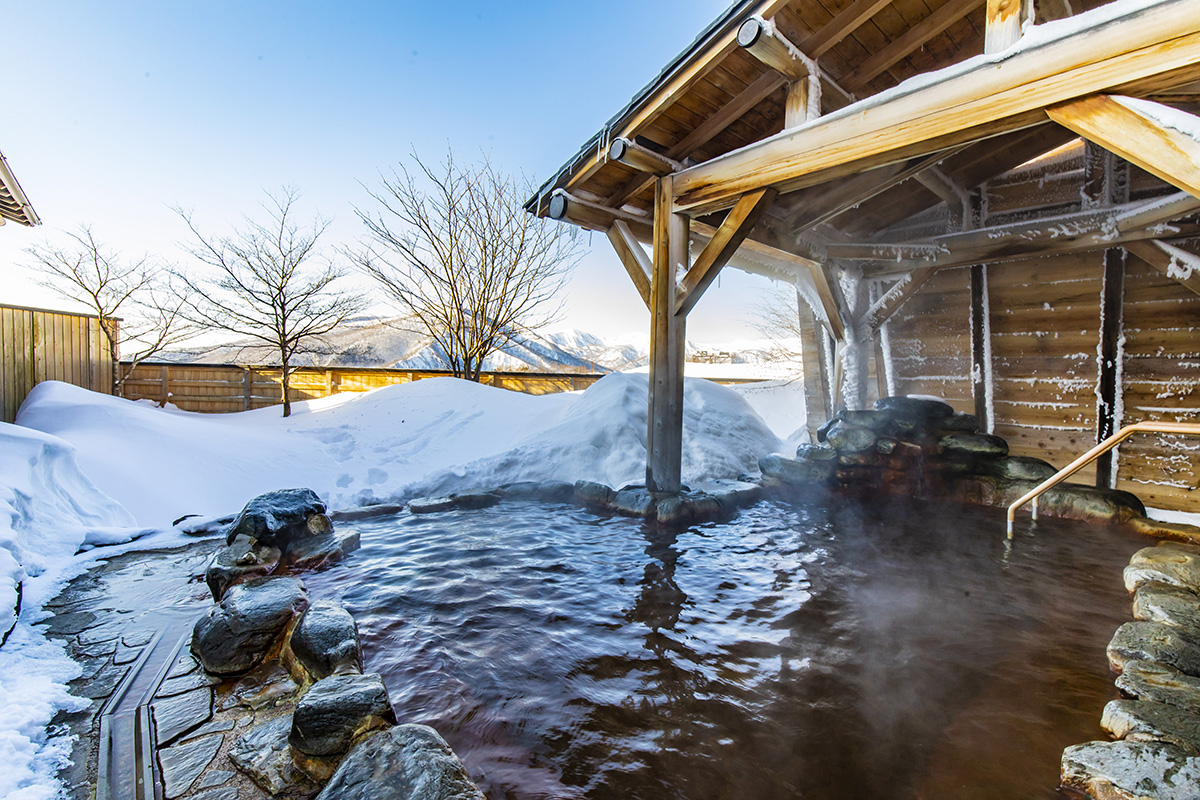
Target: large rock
(920, 408)
(797, 472)
(1019, 468)
(338, 710)
(593, 495)
(635, 501)
(408, 762)
(275, 518)
(878, 421)
(241, 560)
(1175, 563)
(975, 445)
(239, 631)
(1157, 529)
(1153, 641)
(1170, 605)
(326, 641)
(315, 552)
(1148, 721)
(1147, 680)
(847, 439)
(266, 757)
(1130, 771)
(729, 493)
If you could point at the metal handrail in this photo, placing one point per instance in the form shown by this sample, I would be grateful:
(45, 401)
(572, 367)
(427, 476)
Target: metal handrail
(1091, 455)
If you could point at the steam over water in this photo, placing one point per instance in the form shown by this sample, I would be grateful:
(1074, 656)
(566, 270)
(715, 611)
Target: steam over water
(881, 651)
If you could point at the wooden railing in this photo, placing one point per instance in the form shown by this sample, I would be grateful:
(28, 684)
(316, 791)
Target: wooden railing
(1032, 496)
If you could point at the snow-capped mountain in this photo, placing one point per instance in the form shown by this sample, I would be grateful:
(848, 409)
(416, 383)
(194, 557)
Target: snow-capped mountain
(394, 343)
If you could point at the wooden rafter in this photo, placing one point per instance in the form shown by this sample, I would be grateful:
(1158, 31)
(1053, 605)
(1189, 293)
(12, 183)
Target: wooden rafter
(1151, 46)
(705, 132)
(632, 256)
(1174, 262)
(909, 42)
(1127, 130)
(641, 158)
(841, 26)
(721, 247)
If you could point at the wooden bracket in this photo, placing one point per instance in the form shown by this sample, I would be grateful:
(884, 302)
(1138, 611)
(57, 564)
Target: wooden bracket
(891, 301)
(1128, 129)
(724, 243)
(633, 257)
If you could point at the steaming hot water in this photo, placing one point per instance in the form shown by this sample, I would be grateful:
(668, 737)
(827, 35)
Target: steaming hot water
(884, 651)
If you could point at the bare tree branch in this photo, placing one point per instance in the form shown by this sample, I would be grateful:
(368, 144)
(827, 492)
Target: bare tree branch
(137, 302)
(270, 282)
(455, 249)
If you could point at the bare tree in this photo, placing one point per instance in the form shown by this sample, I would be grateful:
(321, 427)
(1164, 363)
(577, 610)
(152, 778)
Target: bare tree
(456, 250)
(270, 283)
(137, 301)
(776, 318)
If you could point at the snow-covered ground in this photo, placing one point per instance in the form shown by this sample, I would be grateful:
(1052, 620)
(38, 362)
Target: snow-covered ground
(82, 469)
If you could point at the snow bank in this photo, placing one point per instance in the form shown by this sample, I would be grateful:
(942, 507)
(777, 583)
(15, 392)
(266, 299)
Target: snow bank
(601, 436)
(48, 511)
(391, 443)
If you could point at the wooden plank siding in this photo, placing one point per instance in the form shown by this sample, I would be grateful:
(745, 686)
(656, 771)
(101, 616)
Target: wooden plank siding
(209, 388)
(40, 345)
(1045, 319)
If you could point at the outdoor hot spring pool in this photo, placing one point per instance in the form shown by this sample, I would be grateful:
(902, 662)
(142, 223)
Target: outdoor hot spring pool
(893, 650)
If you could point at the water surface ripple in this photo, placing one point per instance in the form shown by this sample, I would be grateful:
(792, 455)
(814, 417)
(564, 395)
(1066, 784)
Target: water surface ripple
(886, 651)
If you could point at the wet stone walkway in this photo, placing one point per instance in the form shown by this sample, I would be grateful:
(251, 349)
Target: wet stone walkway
(127, 623)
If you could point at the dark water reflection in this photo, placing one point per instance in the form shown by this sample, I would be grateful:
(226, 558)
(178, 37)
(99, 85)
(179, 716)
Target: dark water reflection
(889, 651)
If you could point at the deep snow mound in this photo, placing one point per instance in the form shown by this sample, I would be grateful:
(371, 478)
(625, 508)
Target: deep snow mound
(48, 510)
(602, 437)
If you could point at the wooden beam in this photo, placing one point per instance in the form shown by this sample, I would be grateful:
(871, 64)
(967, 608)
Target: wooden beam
(1081, 230)
(1130, 45)
(703, 133)
(1174, 262)
(664, 434)
(761, 39)
(632, 154)
(1129, 130)
(633, 257)
(724, 243)
(841, 26)
(1003, 25)
(909, 42)
(817, 207)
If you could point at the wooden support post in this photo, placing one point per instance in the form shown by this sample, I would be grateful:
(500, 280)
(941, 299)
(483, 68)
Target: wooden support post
(664, 435)
(165, 381)
(1003, 25)
(1111, 353)
(812, 362)
(248, 378)
(881, 378)
(981, 367)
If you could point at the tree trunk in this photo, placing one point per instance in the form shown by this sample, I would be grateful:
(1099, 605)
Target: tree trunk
(284, 380)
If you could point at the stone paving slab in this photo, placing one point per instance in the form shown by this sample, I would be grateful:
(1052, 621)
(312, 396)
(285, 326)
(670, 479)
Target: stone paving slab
(1131, 771)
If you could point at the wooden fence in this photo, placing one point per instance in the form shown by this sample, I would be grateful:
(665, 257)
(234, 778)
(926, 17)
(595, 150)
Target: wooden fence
(40, 345)
(215, 388)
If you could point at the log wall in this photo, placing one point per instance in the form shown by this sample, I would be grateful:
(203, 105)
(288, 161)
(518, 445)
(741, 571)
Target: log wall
(39, 345)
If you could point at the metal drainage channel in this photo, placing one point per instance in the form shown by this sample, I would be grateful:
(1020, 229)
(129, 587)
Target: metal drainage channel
(127, 766)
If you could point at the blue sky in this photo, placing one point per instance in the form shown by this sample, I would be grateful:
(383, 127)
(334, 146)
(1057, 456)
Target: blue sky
(115, 112)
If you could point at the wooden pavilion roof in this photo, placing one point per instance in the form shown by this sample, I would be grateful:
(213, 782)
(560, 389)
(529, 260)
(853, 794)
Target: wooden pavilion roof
(874, 158)
(14, 205)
